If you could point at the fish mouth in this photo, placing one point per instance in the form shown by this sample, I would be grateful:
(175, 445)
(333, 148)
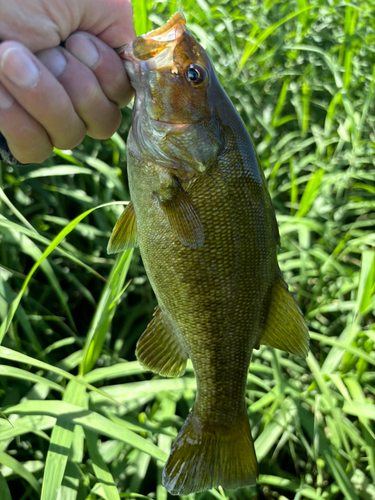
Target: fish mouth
(154, 49)
(172, 30)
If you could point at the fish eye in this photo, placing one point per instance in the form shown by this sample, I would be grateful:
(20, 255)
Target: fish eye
(195, 75)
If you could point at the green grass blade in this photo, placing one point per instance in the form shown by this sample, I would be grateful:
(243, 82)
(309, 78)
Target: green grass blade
(16, 212)
(11, 371)
(101, 470)
(89, 420)
(105, 311)
(287, 484)
(344, 346)
(331, 63)
(18, 357)
(19, 469)
(360, 409)
(5, 492)
(350, 22)
(4, 327)
(115, 371)
(310, 193)
(108, 172)
(24, 425)
(250, 47)
(366, 280)
(67, 156)
(147, 388)
(342, 479)
(30, 248)
(59, 170)
(356, 392)
(61, 441)
(7, 295)
(36, 236)
(142, 23)
(336, 354)
(57, 456)
(273, 431)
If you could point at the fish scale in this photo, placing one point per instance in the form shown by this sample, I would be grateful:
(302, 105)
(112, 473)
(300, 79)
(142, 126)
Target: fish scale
(203, 218)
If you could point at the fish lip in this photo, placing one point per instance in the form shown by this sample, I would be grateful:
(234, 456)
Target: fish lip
(126, 52)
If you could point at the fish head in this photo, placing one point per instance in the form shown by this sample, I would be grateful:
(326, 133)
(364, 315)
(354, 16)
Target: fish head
(174, 113)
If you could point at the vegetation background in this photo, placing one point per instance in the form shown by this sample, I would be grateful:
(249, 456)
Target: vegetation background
(80, 418)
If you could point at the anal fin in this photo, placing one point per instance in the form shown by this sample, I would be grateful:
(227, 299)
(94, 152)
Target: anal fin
(286, 328)
(124, 234)
(159, 349)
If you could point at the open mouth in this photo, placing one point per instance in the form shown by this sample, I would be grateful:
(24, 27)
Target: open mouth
(157, 42)
(172, 30)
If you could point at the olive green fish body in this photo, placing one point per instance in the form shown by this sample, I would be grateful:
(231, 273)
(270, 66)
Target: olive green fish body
(202, 216)
(218, 295)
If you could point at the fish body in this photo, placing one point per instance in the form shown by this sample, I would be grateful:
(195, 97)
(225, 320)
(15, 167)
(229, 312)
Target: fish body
(203, 218)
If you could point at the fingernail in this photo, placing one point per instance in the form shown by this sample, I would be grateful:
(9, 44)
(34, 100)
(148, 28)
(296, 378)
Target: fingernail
(6, 100)
(83, 49)
(19, 68)
(53, 60)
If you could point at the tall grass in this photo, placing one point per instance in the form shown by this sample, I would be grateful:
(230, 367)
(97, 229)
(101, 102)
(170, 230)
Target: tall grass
(80, 418)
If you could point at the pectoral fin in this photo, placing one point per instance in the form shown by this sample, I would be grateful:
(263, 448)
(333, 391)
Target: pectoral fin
(181, 214)
(285, 327)
(124, 234)
(159, 349)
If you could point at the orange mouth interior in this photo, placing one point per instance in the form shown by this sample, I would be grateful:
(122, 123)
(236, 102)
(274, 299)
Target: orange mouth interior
(153, 43)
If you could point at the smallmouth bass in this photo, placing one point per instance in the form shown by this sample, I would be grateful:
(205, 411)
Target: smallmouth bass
(206, 228)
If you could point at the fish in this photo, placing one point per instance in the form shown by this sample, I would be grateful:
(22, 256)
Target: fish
(202, 216)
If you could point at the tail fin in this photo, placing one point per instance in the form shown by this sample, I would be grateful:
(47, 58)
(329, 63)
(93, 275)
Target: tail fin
(204, 457)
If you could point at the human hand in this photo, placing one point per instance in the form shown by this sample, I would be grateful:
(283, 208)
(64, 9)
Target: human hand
(57, 95)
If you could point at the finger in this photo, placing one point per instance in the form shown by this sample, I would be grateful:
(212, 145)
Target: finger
(105, 63)
(101, 116)
(26, 138)
(111, 20)
(40, 94)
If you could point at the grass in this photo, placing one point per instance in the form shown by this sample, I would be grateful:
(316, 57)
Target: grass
(81, 420)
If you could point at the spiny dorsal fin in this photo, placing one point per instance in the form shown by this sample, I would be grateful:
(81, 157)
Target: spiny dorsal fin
(285, 327)
(159, 349)
(124, 234)
(181, 214)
